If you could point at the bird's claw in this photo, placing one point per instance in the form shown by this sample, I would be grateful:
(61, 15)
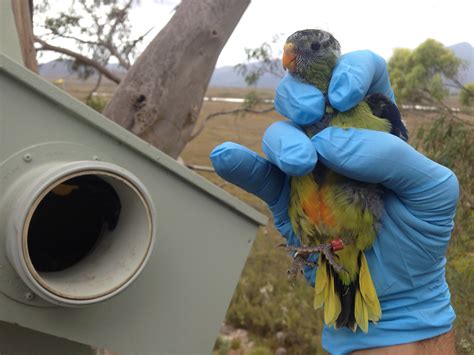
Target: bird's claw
(295, 268)
(302, 253)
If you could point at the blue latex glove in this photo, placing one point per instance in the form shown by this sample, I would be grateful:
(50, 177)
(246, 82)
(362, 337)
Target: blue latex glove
(356, 75)
(408, 257)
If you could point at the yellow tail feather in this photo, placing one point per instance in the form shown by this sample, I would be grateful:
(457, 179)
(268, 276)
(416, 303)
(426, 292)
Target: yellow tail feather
(332, 304)
(366, 305)
(321, 284)
(368, 293)
(325, 294)
(361, 312)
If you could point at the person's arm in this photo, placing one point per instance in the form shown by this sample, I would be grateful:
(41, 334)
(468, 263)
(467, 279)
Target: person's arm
(419, 203)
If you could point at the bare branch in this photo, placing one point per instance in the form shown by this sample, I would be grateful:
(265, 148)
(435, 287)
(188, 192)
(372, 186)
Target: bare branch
(132, 45)
(462, 87)
(80, 40)
(139, 39)
(99, 67)
(224, 113)
(114, 51)
(108, 43)
(95, 18)
(119, 18)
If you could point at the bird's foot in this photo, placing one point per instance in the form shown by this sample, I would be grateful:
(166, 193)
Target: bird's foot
(296, 267)
(302, 253)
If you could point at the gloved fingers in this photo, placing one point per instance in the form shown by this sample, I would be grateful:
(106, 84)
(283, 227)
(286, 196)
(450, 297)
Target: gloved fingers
(289, 148)
(300, 102)
(246, 169)
(356, 75)
(428, 189)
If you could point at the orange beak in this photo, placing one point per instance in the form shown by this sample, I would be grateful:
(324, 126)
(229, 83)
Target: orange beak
(289, 57)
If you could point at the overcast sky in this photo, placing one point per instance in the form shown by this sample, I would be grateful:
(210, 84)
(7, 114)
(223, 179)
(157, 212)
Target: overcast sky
(358, 24)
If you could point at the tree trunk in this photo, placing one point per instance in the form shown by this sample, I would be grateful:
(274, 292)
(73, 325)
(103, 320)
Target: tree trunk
(162, 93)
(23, 13)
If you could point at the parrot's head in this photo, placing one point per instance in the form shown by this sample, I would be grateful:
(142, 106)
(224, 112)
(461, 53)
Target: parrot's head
(311, 56)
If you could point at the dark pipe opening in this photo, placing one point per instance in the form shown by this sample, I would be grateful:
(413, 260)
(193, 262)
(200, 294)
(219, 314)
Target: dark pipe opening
(70, 220)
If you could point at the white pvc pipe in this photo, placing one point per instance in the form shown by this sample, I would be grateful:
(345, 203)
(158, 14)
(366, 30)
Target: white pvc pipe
(118, 256)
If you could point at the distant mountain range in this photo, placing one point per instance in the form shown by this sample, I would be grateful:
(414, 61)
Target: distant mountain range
(61, 69)
(465, 52)
(227, 76)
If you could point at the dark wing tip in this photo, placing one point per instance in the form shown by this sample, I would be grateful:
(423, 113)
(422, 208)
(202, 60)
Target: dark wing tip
(383, 107)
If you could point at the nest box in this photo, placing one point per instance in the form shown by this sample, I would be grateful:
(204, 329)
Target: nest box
(105, 240)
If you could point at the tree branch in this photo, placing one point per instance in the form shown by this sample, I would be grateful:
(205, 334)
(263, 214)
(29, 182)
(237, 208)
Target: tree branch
(462, 87)
(139, 39)
(113, 50)
(83, 41)
(100, 68)
(133, 43)
(119, 17)
(224, 113)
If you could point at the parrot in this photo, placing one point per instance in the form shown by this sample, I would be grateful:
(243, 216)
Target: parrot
(334, 216)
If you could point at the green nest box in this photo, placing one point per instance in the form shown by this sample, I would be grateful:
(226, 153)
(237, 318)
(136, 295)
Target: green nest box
(105, 240)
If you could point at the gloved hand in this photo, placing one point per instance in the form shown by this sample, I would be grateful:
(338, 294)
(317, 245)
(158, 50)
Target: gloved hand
(356, 75)
(408, 257)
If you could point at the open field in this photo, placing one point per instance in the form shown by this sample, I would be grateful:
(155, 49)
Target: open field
(273, 314)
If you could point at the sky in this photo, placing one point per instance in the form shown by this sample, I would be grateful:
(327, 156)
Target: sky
(379, 25)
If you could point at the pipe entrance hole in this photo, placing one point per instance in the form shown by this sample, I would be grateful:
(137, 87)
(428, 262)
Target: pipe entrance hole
(69, 222)
(80, 232)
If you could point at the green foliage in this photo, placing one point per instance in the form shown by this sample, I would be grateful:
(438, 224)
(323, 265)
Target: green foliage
(260, 61)
(97, 29)
(466, 96)
(97, 103)
(260, 350)
(62, 22)
(235, 344)
(450, 142)
(221, 346)
(251, 99)
(417, 75)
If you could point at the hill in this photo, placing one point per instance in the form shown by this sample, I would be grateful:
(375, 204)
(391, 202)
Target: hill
(465, 51)
(228, 76)
(61, 69)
